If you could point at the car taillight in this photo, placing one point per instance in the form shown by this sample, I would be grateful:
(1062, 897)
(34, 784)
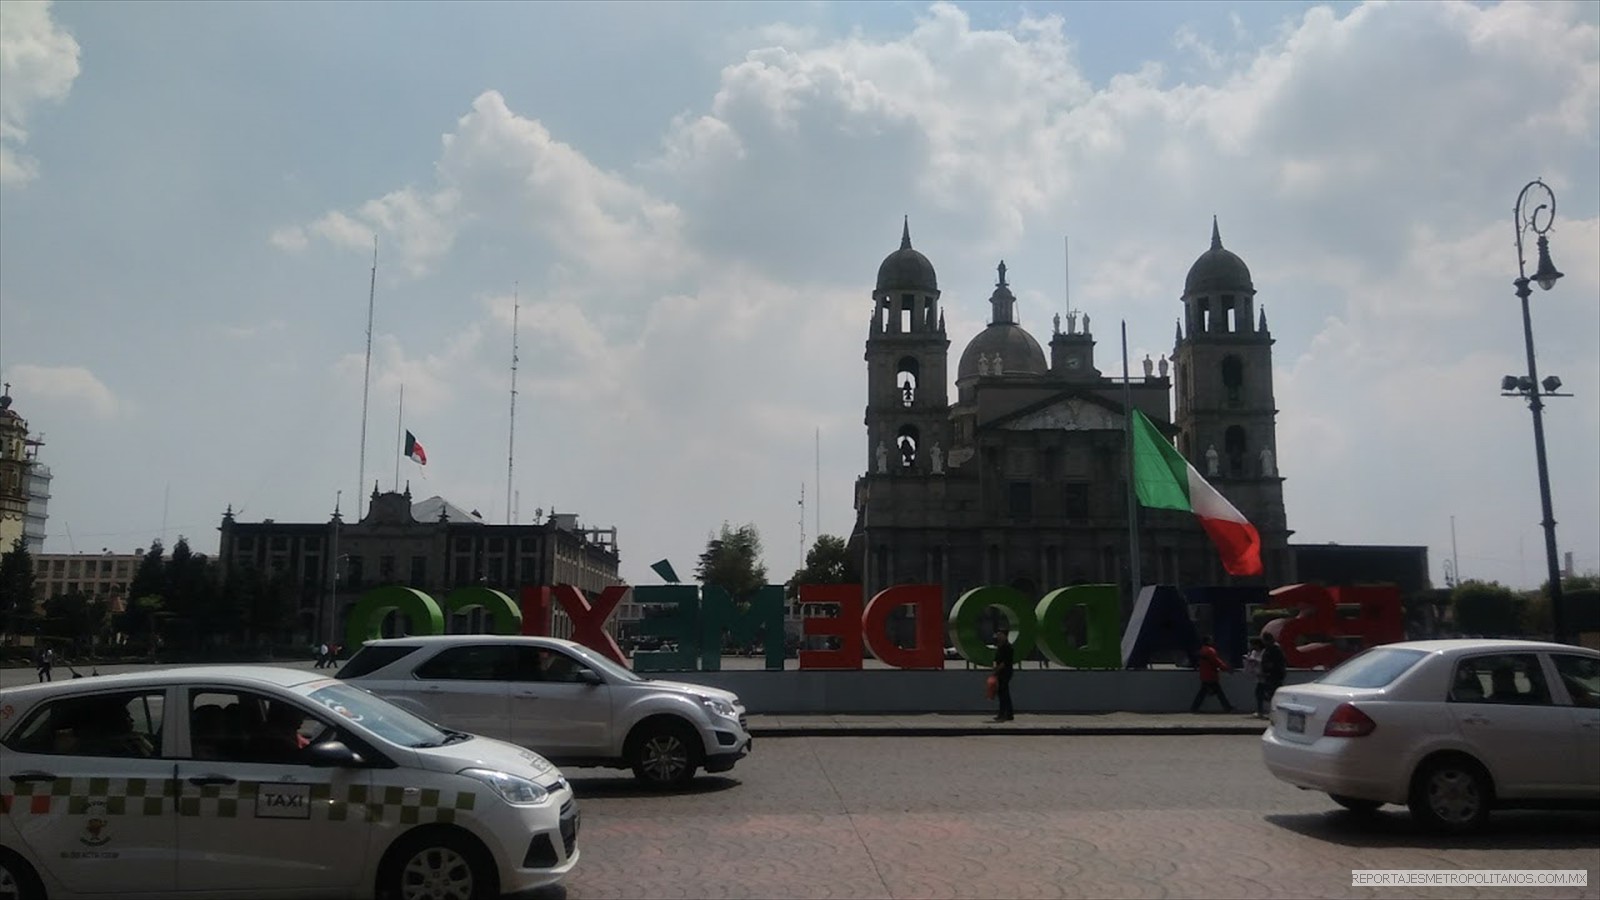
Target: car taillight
(1347, 721)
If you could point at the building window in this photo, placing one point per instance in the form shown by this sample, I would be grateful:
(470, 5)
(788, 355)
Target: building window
(75, 568)
(280, 543)
(530, 570)
(495, 563)
(529, 545)
(463, 545)
(356, 581)
(1233, 380)
(385, 569)
(245, 542)
(463, 570)
(419, 571)
(1021, 500)
(1075, 500)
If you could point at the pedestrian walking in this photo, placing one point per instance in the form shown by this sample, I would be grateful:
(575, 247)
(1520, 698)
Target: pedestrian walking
(1209, 664)
(1274, 669)
(322, 656)
(44, 660)
(1252, 667)
(1005, 660)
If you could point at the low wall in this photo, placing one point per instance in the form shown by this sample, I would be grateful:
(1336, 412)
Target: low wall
(890, 691)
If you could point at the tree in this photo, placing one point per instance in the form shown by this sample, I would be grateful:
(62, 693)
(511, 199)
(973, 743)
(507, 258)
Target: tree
(1486, 608)
(149, 581)
(732, 561)
(81, 618)
(16, 586)
(827, 562)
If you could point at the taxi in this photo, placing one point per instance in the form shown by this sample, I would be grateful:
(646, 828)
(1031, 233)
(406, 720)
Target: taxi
(254, 781)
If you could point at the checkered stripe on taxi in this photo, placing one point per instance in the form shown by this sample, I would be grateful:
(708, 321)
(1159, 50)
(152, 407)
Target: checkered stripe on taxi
(72, 796)
(148, 797)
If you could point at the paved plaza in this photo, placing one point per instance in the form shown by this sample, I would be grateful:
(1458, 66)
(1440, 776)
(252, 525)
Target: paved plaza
(1026, 816)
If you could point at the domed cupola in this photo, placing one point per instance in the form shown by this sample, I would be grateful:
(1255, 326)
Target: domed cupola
(906, 269)
(1218, 271)
(1003, 348)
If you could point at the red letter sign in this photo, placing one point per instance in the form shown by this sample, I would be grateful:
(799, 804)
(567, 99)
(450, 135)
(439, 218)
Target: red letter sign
(928, 651)
(846, 627)
(588, 622)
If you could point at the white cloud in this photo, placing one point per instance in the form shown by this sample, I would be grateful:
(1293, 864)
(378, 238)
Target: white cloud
(38, 388)
(38, 63)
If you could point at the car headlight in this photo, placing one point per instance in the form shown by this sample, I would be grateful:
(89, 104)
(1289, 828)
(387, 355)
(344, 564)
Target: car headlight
(511, 788)
(720, 707)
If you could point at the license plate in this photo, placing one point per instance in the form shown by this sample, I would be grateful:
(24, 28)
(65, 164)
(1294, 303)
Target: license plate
(1296, 722)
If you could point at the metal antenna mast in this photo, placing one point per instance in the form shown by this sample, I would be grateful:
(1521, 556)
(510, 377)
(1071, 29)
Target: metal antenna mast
(366, 380)
(511, 444)
(802, 524)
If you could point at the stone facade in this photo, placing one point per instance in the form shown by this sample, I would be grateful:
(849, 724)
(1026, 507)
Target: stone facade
(432, 546)
(1022, 479)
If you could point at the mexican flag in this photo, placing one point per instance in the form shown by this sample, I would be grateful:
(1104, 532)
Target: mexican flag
(414, 451)
(1163, 479)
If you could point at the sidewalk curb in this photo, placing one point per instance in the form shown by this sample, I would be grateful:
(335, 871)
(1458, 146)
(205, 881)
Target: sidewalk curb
(777, 731)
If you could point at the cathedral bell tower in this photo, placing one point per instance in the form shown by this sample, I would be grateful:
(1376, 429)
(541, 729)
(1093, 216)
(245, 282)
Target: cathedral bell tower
(907, 415)
(1225, 412)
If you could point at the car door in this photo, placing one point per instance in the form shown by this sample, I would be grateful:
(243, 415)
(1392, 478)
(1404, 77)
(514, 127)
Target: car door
(465, 687)
(555, 713)
(87, 784)
(1503, 710)
(252, 811)
(1580, 675)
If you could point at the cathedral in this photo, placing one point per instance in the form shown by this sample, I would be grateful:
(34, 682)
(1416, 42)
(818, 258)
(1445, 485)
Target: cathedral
(1021, 479)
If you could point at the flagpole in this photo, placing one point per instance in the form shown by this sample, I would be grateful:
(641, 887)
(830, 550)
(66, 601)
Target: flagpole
(1134, 574)
(399, 439)
(366, 381)
(511, 443)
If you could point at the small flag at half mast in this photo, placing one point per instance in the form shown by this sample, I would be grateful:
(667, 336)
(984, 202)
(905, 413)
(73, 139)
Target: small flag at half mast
(414, 451)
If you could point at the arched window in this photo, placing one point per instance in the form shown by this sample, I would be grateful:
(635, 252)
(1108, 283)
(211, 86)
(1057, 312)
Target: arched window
(1235, 446)
(1233, 380)
(906, 441)
(907, 373)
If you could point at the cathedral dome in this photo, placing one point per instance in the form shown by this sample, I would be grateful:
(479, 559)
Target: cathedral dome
(1218, 270)
(1018, 352)
(906, 269)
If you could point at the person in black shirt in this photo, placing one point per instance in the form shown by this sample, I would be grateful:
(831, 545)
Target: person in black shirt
(1274, 669)
(1004, 662)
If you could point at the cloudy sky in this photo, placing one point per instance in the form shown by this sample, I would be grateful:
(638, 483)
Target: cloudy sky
(691, 202)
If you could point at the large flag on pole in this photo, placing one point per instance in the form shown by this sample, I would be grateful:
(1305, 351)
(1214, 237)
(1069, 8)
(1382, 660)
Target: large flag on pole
(414, 451)
(1163, 479)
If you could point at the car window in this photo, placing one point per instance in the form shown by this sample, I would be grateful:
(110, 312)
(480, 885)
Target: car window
(378, 716)
(372, 658)
(1581, 675)
(1511, 678)
(1375, 668)
(475, 662)
(122, 724)
(239, 726)
(545, 664)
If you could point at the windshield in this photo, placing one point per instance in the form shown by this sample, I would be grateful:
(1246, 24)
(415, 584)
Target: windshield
(1375, 668)
(379, 716)
(602, 664)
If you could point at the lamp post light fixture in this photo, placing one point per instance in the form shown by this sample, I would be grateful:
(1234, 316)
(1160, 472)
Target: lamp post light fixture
(1538, 220)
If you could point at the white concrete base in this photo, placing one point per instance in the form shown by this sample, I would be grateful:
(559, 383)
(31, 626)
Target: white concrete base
(884, 691)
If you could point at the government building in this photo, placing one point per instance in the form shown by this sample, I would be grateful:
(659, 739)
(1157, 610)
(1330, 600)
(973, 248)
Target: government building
(432, 545)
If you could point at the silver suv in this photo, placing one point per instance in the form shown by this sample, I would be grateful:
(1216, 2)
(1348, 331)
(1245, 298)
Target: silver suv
(560, 699)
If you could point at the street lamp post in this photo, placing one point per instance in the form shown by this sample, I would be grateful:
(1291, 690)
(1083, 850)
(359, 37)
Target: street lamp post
(1538, 220)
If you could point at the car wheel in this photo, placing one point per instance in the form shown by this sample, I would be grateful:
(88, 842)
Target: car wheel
(1451, 794)
(1356, 804)
(17, 879)
(438, 865)
(666, 754)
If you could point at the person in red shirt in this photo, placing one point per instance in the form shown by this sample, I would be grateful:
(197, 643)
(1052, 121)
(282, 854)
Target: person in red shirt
(1208, 663)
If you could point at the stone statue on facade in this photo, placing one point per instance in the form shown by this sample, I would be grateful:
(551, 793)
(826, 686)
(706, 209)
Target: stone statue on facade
(983, 363)
(1211, 460)
(1267, 462)
(936, 457)
(908, 452)
(1057, 320)
(996, 368)
(1072, 321)
(883, 459)
(1149, 366)
(1085, 323)
(1162, 366)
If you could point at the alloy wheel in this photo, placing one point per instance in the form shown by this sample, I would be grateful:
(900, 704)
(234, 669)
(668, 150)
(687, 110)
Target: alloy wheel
(437, 873)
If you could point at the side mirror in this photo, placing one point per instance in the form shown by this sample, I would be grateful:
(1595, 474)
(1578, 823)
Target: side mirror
(588, 676)
(332, 755)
